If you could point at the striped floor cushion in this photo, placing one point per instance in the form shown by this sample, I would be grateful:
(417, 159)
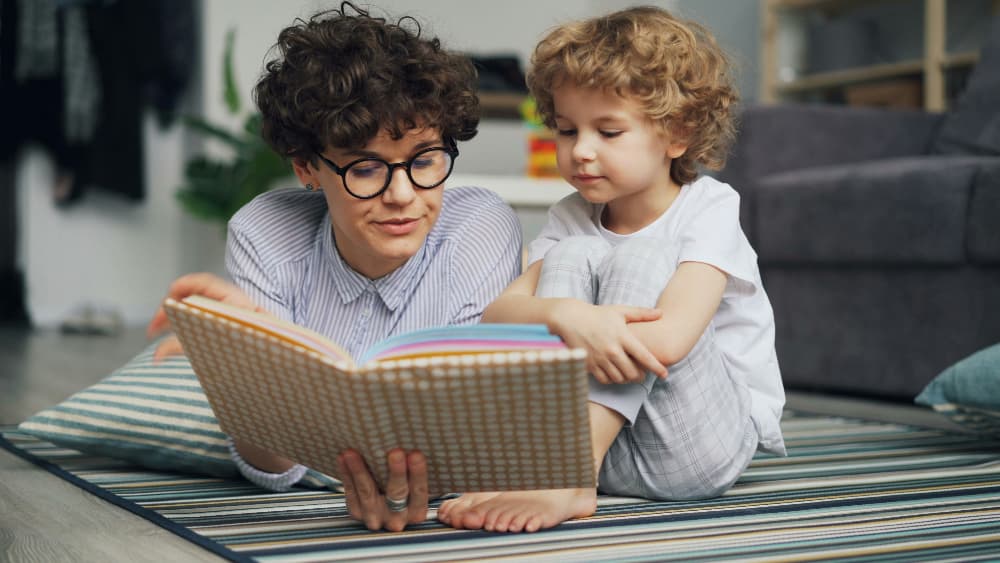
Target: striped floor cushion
(153, 415)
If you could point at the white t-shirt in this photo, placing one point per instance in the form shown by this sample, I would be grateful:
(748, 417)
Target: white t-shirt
(703, 221)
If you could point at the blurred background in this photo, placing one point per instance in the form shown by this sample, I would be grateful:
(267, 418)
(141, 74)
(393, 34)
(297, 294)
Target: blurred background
(95, 96)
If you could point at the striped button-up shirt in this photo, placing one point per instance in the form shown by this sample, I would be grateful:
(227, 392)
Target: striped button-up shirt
(282, 253)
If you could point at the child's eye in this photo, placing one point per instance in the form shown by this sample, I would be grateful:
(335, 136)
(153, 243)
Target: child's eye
(566, 132)
(610, 134)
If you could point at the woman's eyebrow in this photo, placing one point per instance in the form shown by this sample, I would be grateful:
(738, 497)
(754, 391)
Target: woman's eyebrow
(362, 153)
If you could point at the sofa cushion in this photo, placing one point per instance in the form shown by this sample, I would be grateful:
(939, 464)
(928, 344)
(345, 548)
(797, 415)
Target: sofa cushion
(973, 126)
(984, 216)
(878, 331)
(894, 211)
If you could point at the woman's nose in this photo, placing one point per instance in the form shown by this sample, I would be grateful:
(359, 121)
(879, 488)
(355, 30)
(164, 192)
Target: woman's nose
(401, 190)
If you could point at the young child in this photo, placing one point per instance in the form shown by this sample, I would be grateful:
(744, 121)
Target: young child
(646, 267)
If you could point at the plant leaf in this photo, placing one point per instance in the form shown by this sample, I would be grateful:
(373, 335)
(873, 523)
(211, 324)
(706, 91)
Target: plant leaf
(230, 94)
(200, 125)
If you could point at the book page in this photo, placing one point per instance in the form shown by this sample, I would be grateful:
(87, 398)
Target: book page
(462, 340)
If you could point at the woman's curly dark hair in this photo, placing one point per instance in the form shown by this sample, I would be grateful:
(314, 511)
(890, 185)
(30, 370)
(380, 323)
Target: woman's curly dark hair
(341, 78)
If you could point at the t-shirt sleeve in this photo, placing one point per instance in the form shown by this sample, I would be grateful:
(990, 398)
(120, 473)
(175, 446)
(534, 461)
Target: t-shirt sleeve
(713, 235)
(569, 216)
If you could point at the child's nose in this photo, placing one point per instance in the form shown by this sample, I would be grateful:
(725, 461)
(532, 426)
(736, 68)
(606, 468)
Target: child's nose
(582, 150)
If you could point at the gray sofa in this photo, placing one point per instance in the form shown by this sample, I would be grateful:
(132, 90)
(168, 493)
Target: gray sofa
(878, 235)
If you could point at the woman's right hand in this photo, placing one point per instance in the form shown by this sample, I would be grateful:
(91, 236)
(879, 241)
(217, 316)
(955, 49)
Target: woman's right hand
(209, 285)
(614, 354)
(407, 487)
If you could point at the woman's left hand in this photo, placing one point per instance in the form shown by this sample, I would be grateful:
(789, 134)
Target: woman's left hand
(404, 500)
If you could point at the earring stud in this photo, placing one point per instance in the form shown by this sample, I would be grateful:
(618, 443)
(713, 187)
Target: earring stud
(310, 187)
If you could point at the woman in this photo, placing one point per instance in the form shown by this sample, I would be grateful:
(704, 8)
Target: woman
(369, 113)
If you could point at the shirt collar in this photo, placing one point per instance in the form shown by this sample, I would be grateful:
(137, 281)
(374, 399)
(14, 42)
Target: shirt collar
(394, 288)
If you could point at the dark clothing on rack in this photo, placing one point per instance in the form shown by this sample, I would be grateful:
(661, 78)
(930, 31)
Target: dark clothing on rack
(112, 60)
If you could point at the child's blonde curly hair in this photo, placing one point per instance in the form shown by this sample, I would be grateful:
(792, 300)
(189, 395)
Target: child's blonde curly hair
(673, 68)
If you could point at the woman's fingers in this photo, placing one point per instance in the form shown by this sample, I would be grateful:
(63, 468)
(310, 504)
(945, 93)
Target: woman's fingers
(170, 346)
(406, 486)
(209, 285)
(397, 490)
(416, 468)
(350, 491)
(398, 486)
(369, 501)
(158, 324)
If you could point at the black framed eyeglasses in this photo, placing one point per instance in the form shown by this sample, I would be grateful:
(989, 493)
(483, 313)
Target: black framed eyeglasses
(369, 177)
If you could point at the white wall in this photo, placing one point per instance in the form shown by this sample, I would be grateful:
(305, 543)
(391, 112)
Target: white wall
(105, 251)
(108, 252)
(736, 25)
(482, 27)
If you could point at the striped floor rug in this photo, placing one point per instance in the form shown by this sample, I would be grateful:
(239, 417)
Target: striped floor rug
(849, 490)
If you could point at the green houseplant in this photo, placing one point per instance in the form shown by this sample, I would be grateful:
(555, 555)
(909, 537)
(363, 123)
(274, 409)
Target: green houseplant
(215, 188)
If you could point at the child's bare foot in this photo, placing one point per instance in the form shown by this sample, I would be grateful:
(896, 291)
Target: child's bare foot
(517, 511)
(460, 505)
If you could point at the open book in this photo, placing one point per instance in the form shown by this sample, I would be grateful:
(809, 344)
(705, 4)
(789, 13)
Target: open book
(493, 407)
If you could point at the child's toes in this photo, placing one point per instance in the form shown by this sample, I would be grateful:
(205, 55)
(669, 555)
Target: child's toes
(517, 522)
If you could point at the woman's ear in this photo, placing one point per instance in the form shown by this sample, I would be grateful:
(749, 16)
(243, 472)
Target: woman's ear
(305, 172)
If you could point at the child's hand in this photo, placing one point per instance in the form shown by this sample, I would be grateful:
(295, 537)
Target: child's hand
(614, 354)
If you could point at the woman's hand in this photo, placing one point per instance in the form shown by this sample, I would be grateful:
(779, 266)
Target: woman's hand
(205, 284)
(405, 498)
(614, 354)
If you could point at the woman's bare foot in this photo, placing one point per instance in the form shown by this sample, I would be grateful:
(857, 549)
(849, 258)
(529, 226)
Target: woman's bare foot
(517, 511)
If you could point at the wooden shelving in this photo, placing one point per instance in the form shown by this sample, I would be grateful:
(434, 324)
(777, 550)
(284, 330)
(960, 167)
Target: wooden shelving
(501, 105)
(839, 78)
(931, 69)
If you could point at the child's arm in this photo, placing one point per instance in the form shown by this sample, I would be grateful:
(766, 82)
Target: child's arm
(688, 304)
(614, 354)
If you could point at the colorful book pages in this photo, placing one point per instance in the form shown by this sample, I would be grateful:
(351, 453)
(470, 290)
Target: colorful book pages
(464, 339)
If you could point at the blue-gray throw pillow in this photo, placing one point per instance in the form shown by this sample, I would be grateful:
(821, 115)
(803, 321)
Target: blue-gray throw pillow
(154, 415)
(969, 392)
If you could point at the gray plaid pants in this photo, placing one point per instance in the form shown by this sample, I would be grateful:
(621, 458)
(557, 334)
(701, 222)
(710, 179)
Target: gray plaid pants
(691, 435)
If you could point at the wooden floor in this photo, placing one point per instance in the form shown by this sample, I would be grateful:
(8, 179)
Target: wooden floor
(43, 518)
